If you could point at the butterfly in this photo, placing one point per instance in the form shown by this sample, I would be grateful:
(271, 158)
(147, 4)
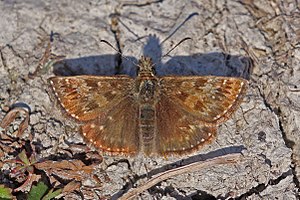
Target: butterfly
(153, 115)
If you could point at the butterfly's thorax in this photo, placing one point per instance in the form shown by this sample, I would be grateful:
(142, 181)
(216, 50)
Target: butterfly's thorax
(147, 93)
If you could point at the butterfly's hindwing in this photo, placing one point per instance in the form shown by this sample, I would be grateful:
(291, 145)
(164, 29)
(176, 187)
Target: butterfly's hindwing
(179, 131)
(117, 132)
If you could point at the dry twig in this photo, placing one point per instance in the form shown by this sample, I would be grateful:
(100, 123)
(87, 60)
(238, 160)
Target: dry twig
(225, 159)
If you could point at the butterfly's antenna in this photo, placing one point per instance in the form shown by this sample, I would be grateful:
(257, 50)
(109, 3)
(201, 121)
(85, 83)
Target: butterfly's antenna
(130, 31)
(181, 41)
(138, 38)
(178, 27)
(109, 44)
(120, 53)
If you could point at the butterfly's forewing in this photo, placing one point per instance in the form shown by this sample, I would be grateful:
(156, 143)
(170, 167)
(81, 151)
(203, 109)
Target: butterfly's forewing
(211, 99)
(178, 130)
(105, 107)
(84, 97)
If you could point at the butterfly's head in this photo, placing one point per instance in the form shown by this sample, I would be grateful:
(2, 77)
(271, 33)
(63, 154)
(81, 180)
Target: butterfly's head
(146, 66)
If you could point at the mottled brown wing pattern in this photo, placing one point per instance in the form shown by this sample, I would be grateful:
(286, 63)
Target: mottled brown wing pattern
(190, 108)
(85, 97)
(179, 132)
(211, 99)
(114, 117)
(106, 108)
(117, 131)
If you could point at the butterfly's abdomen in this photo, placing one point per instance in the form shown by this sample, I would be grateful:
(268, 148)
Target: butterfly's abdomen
(147, 115)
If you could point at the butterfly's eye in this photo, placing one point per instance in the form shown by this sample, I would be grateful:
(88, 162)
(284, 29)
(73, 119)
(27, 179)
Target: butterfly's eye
(138, 69)
(153, 69)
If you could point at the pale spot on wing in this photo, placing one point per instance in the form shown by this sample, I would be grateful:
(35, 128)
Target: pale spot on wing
(91, 140)
(188, 84)
(217, 117)
(242, 83)
(182, 128)
(209, 134)
(110, 117)
(191, 100)
(101, 128)
(192, 127)
(92, 125)
(202, 140)
(224, 111)
(84, 134)
(224, 82)
(75, 116)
